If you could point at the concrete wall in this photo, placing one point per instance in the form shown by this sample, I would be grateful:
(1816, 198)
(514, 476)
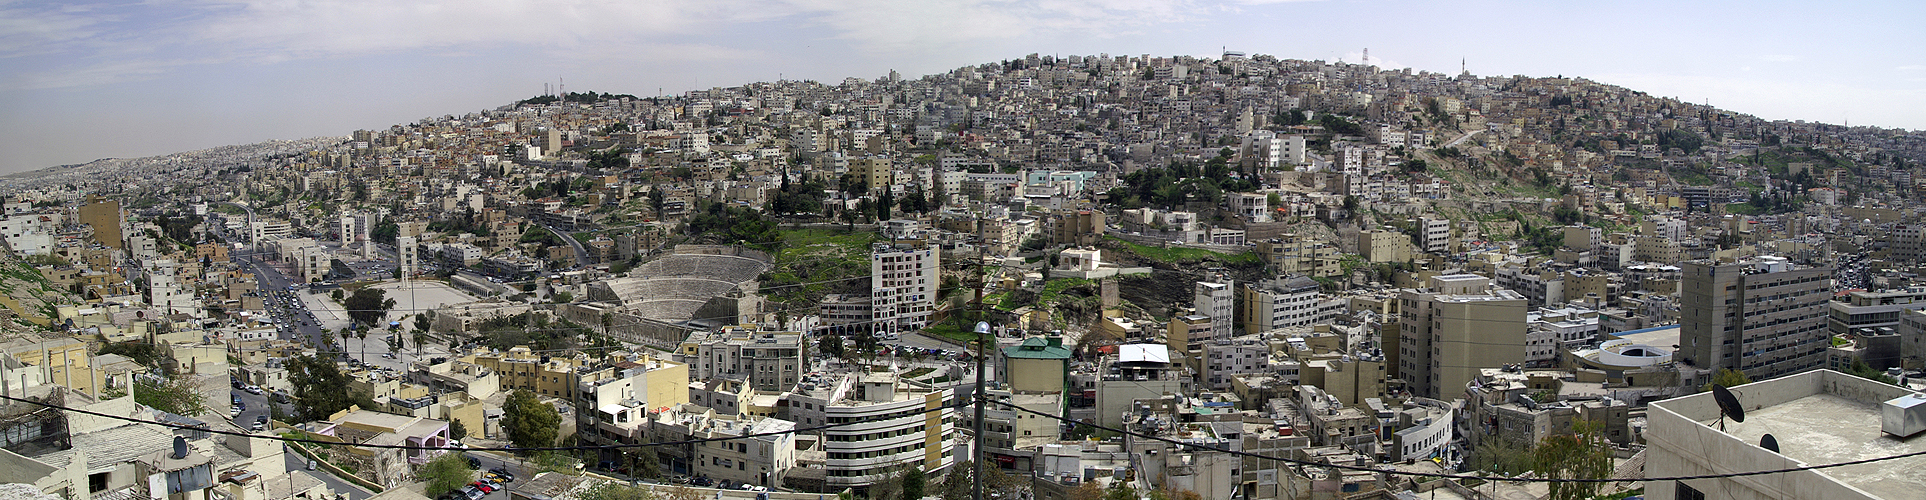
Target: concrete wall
(1681, 446)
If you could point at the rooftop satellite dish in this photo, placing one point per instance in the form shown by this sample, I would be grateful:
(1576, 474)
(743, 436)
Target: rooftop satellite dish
(1769, 442)
(1728, 404)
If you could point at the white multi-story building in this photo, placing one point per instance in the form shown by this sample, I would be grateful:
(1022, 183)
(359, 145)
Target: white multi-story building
(901, 425)
(264, 231)
(1217, 301)
(407, 255)
(1284, 303)
(760, 460)
(902, 284)
(1252, 207)
(770, 361)
(1227, 358)
(1434, 234)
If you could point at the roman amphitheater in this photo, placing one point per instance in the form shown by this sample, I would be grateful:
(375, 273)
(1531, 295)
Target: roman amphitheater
(691, 287)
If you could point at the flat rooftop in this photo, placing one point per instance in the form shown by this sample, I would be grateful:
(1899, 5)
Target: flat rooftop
(1823, 429)
(1663, 337)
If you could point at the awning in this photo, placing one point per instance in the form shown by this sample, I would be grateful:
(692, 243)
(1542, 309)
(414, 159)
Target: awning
(613, 409)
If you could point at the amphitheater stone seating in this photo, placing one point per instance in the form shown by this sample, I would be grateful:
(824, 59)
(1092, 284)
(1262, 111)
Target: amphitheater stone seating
(673, 287)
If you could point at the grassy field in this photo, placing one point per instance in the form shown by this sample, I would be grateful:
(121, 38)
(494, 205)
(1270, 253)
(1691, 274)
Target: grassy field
(815, 256)
(1183, 255)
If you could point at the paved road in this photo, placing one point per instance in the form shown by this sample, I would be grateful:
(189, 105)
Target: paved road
(581, 254)
(257, 406)
(1462, 138)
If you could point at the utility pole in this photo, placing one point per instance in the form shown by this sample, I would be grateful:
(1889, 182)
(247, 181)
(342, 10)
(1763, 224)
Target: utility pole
(976, 448)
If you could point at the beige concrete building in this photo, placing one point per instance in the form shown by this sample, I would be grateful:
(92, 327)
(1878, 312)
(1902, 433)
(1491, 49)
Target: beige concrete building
(1454, 328)
(1039, 364)
(1817, 417)
(1385, 245)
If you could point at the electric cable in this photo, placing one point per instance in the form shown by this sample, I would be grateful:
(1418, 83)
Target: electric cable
(1456, 476)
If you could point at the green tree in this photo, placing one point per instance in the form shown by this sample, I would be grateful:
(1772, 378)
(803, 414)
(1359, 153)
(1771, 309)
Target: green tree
(456, 430)
(913, 482)
(1582, 454)
(550, 461)
(319, 389)
(646, 465)
(142, 353)
(1727, 377)
(176, 395)
(368, 306)
(530, 423)
(448, 472)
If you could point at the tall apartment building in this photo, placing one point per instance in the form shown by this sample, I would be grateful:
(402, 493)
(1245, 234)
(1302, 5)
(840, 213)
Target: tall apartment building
(769, 361)
(1434, 234)
(1455, 327)
(1218, 302)
(104, 216)
(902, 286)
(1763, 316)
(1227, 358)
(1281, 303)
(1384, 245)
(875, 170)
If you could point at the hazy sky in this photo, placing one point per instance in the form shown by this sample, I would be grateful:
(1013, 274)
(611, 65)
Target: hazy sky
(84, 80)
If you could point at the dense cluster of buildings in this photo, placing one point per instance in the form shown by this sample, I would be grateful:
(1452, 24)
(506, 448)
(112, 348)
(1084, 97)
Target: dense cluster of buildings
(1362, 271)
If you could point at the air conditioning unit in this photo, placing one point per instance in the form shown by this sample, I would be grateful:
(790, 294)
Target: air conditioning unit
(1903, 416)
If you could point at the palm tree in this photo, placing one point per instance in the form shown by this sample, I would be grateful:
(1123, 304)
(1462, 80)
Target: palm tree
(362, 334)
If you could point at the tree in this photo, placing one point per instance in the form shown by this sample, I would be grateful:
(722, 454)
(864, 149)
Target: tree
(368, 306)
(319, 389)
(913, 482)
(530, 423)
(176, 395)
(610, 490)
(646, 464)
(1727, 377)
(883, 203)
(448, 472)
(1086, 491)
(456, 430)
(681, 492)
(1582, 454)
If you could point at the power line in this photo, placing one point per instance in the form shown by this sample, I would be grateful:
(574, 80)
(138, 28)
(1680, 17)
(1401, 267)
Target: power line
(1456, 476)
(550, 448)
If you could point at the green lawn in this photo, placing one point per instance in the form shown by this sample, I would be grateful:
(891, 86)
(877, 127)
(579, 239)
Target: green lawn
(802, 242)
(1184, 254)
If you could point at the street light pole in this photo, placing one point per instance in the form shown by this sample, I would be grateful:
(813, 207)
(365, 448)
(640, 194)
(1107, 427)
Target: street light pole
(982, 329)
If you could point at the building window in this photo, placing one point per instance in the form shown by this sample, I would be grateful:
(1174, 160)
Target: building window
(1684, 492)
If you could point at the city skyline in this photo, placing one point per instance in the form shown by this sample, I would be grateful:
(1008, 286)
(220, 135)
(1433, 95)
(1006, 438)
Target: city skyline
(95, 80)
